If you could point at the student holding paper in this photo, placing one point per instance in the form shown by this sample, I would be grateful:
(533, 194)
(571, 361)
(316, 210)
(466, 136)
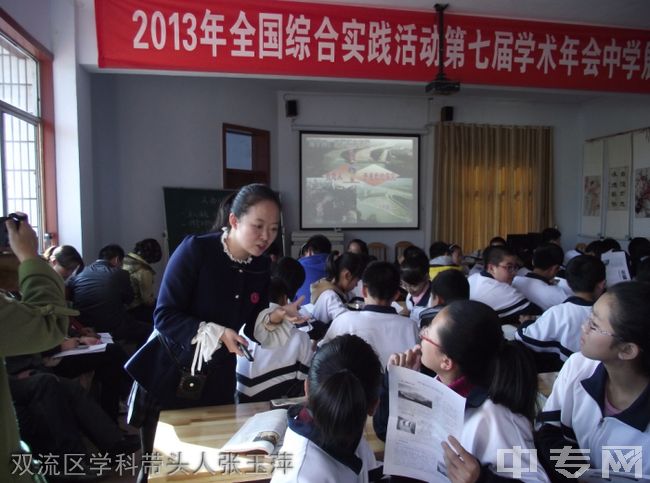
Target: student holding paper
(464, 348)
(325, 437)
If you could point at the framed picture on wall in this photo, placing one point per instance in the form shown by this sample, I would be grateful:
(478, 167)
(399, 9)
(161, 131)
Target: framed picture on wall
(360, 181)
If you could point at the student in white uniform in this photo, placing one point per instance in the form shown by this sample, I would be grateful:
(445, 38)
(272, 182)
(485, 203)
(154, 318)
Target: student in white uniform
(555, 335)
(378, 323)
(329, 295)
(465, 349)
(276, 370)
(493, 286)
(325, 437)
(539, 286)
(479, 266)
(414, 274)
(601, 397)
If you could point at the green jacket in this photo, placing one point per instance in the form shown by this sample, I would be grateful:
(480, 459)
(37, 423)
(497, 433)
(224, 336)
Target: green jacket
(37, 323)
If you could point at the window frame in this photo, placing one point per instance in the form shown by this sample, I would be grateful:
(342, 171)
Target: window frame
(45, 122)
(260, 162)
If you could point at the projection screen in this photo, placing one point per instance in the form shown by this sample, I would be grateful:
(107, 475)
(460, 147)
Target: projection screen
(360, 181)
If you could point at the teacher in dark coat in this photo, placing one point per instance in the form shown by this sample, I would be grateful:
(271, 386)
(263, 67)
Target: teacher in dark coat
(213, 284)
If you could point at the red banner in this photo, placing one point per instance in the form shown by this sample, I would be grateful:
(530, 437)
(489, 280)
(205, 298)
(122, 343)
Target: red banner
(325, 40)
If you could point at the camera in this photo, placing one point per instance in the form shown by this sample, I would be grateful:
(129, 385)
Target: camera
(190, 386)
(4, 236)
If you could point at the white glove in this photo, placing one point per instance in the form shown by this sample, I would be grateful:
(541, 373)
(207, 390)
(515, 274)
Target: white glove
(207, 340)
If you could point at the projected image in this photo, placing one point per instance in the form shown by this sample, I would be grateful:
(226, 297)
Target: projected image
(361, 181)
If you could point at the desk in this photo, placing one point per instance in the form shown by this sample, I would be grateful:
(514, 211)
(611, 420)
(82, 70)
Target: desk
(198, 433)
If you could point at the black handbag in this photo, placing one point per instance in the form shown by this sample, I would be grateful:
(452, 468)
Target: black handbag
(190, 386)
(170, 379)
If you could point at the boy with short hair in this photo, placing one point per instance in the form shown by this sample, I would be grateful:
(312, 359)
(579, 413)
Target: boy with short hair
(446, 287)
(414, 274)
(493, 286)
(378, 323)
(557, 331)
(539, 286)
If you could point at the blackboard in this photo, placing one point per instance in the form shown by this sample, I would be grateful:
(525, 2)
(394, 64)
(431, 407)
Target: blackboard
(190, 211)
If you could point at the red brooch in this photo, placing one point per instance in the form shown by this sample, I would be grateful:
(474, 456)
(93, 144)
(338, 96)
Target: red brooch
(255, 297)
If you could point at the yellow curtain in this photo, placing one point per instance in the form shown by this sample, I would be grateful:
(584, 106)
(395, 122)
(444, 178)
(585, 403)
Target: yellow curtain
(491, 181)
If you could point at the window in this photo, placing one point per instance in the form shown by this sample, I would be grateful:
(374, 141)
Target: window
(27, 177)
(246, 156)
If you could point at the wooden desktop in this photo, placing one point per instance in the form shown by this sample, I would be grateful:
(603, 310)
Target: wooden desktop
(198, 433)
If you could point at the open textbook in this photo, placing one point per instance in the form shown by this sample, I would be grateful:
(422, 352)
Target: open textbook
(261, 434)
(423, 413)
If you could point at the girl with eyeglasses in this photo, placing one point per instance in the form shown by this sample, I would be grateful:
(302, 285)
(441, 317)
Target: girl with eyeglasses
(464, 348)
(601, 398)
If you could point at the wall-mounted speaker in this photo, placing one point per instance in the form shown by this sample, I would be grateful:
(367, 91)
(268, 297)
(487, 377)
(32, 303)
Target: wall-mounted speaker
(291, 108)
(446, 114)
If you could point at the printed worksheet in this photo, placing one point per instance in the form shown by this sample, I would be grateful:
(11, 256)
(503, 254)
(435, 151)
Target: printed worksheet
(423, 413)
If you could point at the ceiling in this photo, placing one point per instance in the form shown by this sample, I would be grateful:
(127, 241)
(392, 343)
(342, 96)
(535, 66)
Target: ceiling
(623, 13)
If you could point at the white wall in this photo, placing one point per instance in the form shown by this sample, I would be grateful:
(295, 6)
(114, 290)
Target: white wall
(33, 16)
(66, 122)
(611, 115)
(615, 114)
(154, 131)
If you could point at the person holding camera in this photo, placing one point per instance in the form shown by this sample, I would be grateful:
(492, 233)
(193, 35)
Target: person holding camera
(36, 323)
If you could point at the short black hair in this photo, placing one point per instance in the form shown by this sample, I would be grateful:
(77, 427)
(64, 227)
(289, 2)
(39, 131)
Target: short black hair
(643, 270)
(438, 248)
(597, 247)
(494, 254)
(277, 290)
(362, 245)
(450, 285)
(381, 280)
(611, 244)
(584, 272)
(149, 249)
(414, 251)
(547, 255)
(638, 247)
(550, 234)
(111, 251)
(318, 244)
(291, 272)
(497, 241)
(415, 268)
